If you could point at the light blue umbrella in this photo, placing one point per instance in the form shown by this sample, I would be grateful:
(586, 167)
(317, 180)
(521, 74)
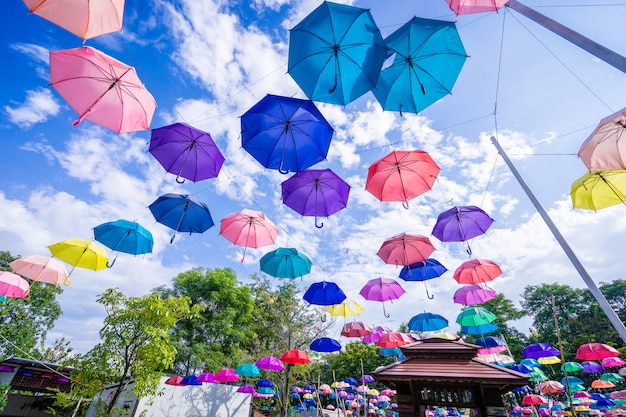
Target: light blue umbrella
(427, 322)
(285, 263)
(124, 236)
(480, 329)
(249, 370)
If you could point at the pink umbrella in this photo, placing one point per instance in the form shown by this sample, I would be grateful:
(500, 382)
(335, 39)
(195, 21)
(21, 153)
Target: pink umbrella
(595, 351)
(13, 286)
(473, 294)
(85, 19)
(40, 268)
(226, 375)
(248, 228)
(604, 149)
(270, 363)
(405, 249)
(477, 271)
(101, 89)
(613, 362)
(382, 289)
(395, 339)
(474, 6)
(373, 338)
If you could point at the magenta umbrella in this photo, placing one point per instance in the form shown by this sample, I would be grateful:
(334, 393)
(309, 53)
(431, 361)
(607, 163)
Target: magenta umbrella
(270, 363)
(248, 228)
(382, 289)
(226, 375)
(473, 294)
(405, 249)
(12, 285)
(101, 89)
(474, 6)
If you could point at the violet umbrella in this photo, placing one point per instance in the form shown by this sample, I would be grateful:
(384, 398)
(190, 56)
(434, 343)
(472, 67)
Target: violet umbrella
(316, 193)
(246, 389)
(461, 223)
(473, 294)
(382, 289)
(270, 363)
(540, 350)
(186, 152)
(477, 271)
(405, 249)
(591, 367)
(248, 228)
(101, 89)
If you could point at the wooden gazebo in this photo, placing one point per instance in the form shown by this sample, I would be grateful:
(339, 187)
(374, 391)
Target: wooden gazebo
(446, 373)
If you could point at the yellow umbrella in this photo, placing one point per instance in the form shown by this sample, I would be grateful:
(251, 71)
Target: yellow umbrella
(346, 309)
(597, 190)
(549, 360)
(80, 253)
(447, 336)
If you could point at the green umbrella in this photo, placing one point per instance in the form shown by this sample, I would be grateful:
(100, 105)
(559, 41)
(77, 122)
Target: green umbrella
(475, 316)
(537, 375)
(612, 377)
(572, 367)
(248, 370)
(576, 388)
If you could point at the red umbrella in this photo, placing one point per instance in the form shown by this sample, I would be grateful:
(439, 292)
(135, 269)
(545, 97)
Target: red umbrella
(476, 271)
(405, 249)
(174, 380)
(295, 357)
(595, 351)
(534, 399)
(356, 329)
(475, 6)
(395, 339)
(226, 375)
(248, 228)
(401, 176)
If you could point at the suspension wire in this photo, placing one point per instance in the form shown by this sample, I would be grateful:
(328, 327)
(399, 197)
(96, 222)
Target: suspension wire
(30, 357)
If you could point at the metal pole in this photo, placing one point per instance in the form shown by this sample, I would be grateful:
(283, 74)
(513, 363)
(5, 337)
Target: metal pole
(597, 50)
(595, 291)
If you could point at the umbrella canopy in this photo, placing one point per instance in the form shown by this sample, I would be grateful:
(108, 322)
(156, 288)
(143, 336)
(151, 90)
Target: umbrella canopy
(124, 236)
(571, 367)
(595, 351)
(285, 263)
(246, 389)
(80, 253)
(336, 53)
(591, 367)
(604, 150)
(600, 384)
(85, 19)
(401, 176)
(611, 376)
(540, 350)
(475, 316)
(598, 190)
(325, 344)
(473, 294)
(461, 223)
(474, 6)
(12, 285)
(427, 58)
(285, 133)
(390, 351)
(249, 370)
(207, 377)
(551, 387)
(427, 322)
(405, 249)
(534, 399)
(181, 213)
(186, 152)
(382, 289)
(395, 339)
(356, 329)
(480, 329)
(477, 271)
(264, 383)
(40, 268)
(315, 192)
(225, 375)
(524, 369)
(347, 308)
(490, 342)
(101, 89)
(190, 380)
(174, 380)
(422, 271)
(248, 228)
(610, 362)
(270, 363)
(295, 357)
(572, 380)
(324, 293)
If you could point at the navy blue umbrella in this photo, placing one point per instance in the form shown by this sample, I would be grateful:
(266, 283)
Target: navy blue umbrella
(264, 383)
(524, 369)
(423, 271)
(427, 322)
(325, 344)
(190, 380)
(324, 293)
(490, 342)
(181, 213)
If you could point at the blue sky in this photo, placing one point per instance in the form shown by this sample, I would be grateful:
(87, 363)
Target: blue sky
(207, 62)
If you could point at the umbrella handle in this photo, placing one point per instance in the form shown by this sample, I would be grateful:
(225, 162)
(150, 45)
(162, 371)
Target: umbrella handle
(469, 249)
(320, 225)
(323, 318)
(284, 172)
(172, 239)
(67, 281)
(178, 180)
(110, 265)
(385, 311)
(430, 297)
(405, 204)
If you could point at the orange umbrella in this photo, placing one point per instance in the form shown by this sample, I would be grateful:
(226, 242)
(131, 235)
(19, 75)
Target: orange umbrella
(598, 383)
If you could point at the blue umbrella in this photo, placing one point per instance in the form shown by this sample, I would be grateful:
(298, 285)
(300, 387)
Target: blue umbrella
(524, 369)
(350, 381)
(249, 370)
(423, 271)
(336, 53)
(324, 294)
(325, 344)
(481, 329)
(427, 56)
(427, 322)
(603, 404)
(124, 236)
(190, 380)
(285, 133)
(490, 342)
(181, 213)
(285, 263)
(390, 351)
(264, 383)
(533, 363)
(572, 380)
(524, 389)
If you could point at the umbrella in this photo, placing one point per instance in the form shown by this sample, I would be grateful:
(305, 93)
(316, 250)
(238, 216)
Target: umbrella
(249, 370)
(572, 367)
(324, 293)
(591, 367)
(246, 389)
(551, 387)
(382, 289)
(248, 228)
(374, 337)
(356, 329)
(571, 380)
(207, 377)
(80, 253)
(181, 213)
(401, 176)
(12, 285)
(491, 344)
(390, 351)
(174, 380)
(225, 375)
(534, 399)
(603, 150)
(325, 344)
(394, 339)
(423, 271)
(366, 379)
(405, 249)
(427, 56)
(473, 294)
(477, 271)
(264, 383)
(336, 53)
(295, 357)
(598, 190)
(596, 351)
(540, 350)
(427, 322)
(285, 133)
(549, 360)
(524, 369)
(481, 329)
(475, 6)
(461, 223)
(186, 152)
(315, 192)
(610, 362)
(101, 89)
(190, 380)
(85, 19)
(40, 268)
(285, 263)
(611, 376)
(270, 363)
(347, 308)
(124, 236)
(475, 316)
(600, 384)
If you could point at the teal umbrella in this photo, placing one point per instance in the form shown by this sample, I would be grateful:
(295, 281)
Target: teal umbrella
(572, 367)
(612, 377)
(248, 370)
(285, 263)
(475, 316)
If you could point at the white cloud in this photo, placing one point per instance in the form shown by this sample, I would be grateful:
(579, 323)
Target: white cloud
(38, 106)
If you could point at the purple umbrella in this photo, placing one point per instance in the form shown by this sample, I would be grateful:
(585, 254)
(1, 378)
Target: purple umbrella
(186, 152)
(270, 363)
(382, 289)
(540, 350)
(461, 223)
(591, 367)
(315, 192)
(366, 378)
(246, 389)
(473, 294)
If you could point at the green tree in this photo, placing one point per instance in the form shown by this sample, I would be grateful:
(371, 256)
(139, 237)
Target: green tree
(135, 345)
(24, 324)
(214, 338)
